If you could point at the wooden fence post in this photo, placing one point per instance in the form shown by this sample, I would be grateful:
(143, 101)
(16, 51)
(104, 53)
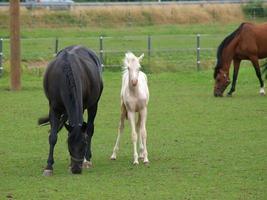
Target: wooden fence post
(15, 69)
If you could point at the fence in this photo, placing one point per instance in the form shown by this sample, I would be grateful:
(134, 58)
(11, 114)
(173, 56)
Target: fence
(171, 52)
(1, 56)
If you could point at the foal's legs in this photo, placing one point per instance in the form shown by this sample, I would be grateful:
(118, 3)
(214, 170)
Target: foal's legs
(54, 121)
(256, 65)
(120, 131)
(143, 116)
(131, 117)
(90, 131)
(235, 74)
(141, 146)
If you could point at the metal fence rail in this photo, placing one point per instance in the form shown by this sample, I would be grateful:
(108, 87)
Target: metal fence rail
(188, 51)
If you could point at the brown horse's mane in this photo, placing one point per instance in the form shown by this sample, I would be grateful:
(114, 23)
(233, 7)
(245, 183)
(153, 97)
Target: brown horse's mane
(224, 43)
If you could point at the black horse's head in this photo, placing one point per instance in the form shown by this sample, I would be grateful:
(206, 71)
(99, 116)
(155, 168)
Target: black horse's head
(77, 143)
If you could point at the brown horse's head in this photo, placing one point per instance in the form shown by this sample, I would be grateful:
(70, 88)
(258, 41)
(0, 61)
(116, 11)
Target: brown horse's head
(221, 82)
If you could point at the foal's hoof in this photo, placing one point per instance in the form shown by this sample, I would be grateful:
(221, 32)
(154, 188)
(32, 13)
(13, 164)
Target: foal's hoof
(135, 163)
(48, 172)
(87, 164)
(262, 92)
(146, 161)
(229, 95)
(112, 157)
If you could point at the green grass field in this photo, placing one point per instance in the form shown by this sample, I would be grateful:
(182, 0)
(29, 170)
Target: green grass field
(200, 147)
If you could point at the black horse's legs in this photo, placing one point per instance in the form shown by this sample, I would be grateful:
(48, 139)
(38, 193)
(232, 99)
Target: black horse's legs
(54, 121)
(90, 131)
(235, 74)
(256, 65)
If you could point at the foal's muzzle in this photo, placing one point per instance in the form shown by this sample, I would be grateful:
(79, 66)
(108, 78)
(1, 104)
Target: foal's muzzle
(134, 82)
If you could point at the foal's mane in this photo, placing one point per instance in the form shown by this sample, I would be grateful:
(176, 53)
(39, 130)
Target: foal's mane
(128, 57)
(224, 43)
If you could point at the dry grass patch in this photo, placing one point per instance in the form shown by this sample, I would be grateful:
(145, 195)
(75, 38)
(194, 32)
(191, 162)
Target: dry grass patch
(128, 15)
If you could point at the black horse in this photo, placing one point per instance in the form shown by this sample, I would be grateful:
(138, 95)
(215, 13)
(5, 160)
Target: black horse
(72, 84)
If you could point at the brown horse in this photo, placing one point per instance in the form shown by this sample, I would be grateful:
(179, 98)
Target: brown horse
(247, 42)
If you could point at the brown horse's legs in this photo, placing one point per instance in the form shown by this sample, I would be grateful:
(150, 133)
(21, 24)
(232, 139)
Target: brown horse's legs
(256, 65)
(235, 74)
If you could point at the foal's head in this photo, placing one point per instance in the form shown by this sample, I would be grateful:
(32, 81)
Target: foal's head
(77, 142)
(132, 65)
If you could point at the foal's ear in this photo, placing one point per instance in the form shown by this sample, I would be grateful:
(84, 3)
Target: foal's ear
(140, 58)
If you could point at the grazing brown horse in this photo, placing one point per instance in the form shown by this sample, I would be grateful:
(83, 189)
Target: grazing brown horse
(247, 42)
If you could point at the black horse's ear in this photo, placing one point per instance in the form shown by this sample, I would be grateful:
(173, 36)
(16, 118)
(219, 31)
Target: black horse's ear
(68, 127)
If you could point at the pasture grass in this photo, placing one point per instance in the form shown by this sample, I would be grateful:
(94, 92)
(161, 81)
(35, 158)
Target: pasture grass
(200, 147)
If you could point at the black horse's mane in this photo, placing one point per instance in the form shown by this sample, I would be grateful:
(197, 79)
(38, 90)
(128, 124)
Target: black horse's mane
(67, 70)
(70, 79)
(224, 43)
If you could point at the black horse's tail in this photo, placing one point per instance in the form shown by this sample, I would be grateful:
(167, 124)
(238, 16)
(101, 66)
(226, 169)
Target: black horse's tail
(42, 121)
(223, 44)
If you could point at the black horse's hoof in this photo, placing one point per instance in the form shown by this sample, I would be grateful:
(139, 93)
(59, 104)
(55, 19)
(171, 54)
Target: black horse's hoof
(229, 95)
(87, 165)
(48, 172)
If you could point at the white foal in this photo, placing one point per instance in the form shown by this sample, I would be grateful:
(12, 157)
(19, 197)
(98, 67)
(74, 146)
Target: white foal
(134, 99)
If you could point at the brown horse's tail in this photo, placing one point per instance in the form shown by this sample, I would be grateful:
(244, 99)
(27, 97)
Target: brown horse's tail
(224, 44)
